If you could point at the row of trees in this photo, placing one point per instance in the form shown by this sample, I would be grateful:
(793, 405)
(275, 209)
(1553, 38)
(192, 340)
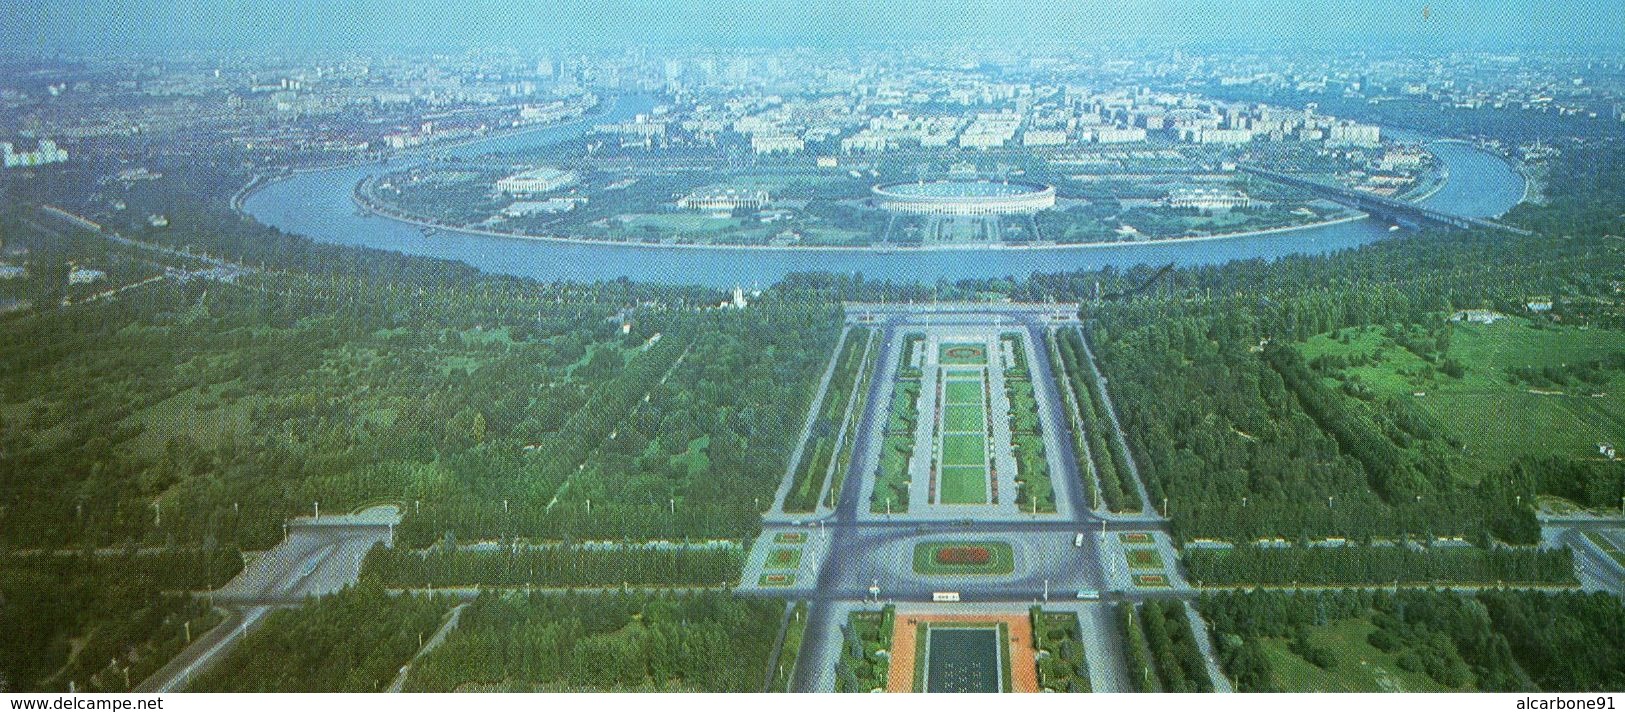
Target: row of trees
(1088, 439)
(1344, 565)
(555, 566)
(1136, 651)
(1173, 647)
(813, 467)
(1392, 476)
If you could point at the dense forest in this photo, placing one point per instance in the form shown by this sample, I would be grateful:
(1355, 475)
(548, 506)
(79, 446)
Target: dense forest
(353, 641)
(703, 642)
(1495, 641)
(94, 618)
(194, 410)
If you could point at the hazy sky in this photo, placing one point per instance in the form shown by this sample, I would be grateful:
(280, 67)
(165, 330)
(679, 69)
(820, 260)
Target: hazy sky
(159, 24)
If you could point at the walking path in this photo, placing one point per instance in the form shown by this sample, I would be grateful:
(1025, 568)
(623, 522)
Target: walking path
(439, 637)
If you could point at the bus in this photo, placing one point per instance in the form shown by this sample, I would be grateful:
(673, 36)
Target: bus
(945, 597)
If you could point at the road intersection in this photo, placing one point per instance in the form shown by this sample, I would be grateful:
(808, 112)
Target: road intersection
(854, 557)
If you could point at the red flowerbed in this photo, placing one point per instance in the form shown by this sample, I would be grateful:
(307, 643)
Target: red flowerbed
(963, 555)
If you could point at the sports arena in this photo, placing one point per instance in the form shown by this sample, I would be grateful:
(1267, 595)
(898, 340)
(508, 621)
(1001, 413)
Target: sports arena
(964, 197)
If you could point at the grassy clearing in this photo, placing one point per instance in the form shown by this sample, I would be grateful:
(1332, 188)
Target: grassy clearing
(1358, 666)
(1495, 416)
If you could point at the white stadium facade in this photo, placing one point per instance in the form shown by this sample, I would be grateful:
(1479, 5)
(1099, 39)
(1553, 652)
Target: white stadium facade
(964, 197)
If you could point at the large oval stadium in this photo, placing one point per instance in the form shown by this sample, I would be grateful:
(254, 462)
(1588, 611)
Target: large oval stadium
(964, 197)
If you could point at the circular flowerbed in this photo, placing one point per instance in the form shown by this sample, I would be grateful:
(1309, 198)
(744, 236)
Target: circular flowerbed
(963, 555)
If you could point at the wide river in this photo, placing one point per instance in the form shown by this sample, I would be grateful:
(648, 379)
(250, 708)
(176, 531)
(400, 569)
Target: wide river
(319, 205)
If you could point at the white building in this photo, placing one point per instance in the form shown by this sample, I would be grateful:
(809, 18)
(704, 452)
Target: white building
(1352, 134)
(776, 143)
(47, 152)
(537, 180)
(81, 275)
(1216, 136)
(1208, 199)
(723, 200)
(1107, 134)
(1044, 137)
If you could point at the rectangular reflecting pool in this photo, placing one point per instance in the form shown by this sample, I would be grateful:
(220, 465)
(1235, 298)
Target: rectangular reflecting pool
(963, 660)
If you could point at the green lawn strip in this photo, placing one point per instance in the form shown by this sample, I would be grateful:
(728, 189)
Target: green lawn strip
(783, 558)
(1144, 559)
(963, 419)
(962, 485)
(962, 391)
(963, 449)
(790, 651)
(1002, 559)
(922, 653)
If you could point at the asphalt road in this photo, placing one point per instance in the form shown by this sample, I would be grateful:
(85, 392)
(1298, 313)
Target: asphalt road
(871, 550)
(316, 558)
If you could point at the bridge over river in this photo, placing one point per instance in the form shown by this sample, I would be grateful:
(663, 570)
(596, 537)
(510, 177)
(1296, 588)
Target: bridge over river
(1396, 211)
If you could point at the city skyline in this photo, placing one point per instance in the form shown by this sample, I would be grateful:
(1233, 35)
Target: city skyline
(1384, 24)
